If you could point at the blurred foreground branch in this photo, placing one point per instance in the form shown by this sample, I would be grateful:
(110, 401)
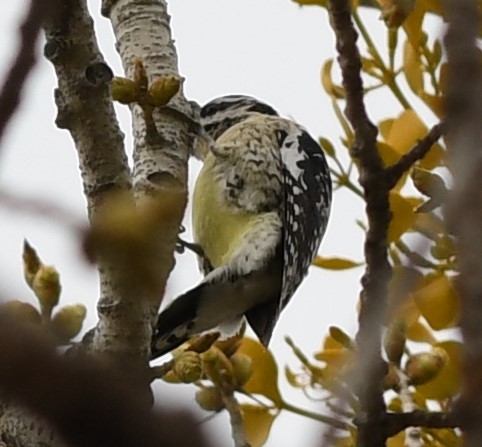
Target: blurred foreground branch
(24, 61)
(85, 400)
(464, 211)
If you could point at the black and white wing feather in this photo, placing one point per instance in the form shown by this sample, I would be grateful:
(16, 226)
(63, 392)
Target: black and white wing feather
(305, 211)
(307, 190)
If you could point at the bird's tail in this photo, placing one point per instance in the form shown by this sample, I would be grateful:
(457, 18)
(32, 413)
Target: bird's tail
(174, 324)
(218, 301)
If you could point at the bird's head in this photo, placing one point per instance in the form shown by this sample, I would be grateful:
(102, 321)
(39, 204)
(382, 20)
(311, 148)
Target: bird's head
(221, 113)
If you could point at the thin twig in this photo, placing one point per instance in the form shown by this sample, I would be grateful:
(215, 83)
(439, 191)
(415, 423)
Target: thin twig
(413, 435)
(24, 62)
(333, 422)
(216, 369)
(395, 172)
(42, 209)
(235, 417)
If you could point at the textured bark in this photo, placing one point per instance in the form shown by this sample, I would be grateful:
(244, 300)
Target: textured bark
(160, 164)
(85, 108)
(368, 381)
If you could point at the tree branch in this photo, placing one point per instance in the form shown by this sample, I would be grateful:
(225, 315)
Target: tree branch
(396, 422)
(395, 172)
(84, 103)
(235, 417)
(142, 30)
(85, 108)
(371, 368)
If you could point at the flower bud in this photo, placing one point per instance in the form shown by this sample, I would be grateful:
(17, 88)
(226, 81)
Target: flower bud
(341, 337)
(209, 399)
(188, 367)
(422, 368)
(46, 285)
(395, 338)
(162, 90)
(31, 263)
(124, 90)
(67, 322)
(242, 367)
(21, 312)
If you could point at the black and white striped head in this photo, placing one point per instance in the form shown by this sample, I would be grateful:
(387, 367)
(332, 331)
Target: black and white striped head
(219, 114)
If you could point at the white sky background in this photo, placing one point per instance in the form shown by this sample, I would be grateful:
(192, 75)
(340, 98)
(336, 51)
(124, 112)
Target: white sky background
(271, 49)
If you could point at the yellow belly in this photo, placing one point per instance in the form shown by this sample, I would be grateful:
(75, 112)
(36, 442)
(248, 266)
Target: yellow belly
(217, 229)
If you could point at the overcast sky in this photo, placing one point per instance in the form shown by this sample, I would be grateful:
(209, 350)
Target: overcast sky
(271, 49)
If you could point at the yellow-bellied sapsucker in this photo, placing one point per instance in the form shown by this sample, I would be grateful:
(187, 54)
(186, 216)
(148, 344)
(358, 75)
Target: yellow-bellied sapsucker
(260, 209)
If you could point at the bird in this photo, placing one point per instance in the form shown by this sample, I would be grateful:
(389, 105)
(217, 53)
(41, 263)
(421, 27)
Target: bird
(261, 206)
